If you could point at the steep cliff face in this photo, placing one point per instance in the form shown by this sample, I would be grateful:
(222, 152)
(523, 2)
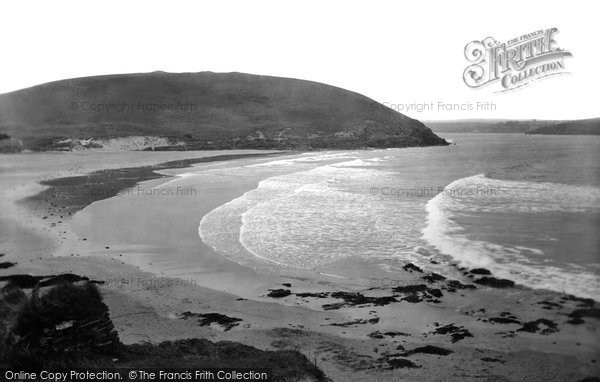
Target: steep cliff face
(206, 110)
(10, 145)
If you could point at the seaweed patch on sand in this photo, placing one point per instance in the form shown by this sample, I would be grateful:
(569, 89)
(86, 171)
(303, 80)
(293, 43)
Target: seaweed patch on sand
(65, 196)
(207, 319)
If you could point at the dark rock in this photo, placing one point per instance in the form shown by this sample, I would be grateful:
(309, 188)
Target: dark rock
(395, 334)
(590, 312)
(428, 349)
(401, 363)
(495, 283)
(433, 277)
(205, 319)
(376, 335)
(576, 321)
(68, 319)
(356, 322)
(9, 144)
(313, 294)
(379, 335)
(279, 293)
(585, 302)
(7, 264)
(411, 267)
(287, 285)
(22, 281)
(534, 326)
(333, 306)
(413, 299)
(419, 292)
(456, 332)
(504, 320)
(480, 271)
(455, 284)
(410, 289)
(353, 299)
(549, 305)
(62, 279)
(489, 359)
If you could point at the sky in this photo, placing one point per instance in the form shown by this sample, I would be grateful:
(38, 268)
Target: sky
(400, 53)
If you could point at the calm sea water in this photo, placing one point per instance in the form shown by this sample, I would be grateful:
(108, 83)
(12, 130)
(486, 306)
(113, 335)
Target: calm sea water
(525, 207)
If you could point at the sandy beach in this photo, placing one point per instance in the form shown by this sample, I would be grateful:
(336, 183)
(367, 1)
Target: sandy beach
(368, 326)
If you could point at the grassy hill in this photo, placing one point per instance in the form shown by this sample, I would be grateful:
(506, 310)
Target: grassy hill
(527, 126)
(207, 111)
(488, 125)
(578, 127)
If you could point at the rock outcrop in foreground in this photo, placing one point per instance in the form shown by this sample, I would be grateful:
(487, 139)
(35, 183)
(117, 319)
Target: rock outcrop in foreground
(61, 322)
(205, 111)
